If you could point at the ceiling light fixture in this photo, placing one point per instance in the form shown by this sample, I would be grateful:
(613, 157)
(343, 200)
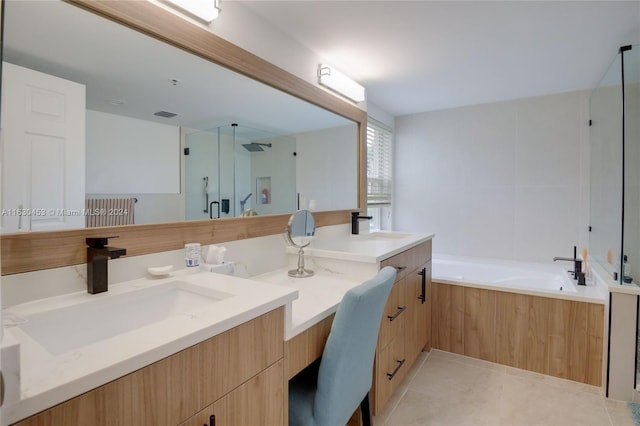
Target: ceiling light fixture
(340, 83)
(205, 10)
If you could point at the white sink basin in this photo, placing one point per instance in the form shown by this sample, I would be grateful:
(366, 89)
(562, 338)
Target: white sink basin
(64, 329)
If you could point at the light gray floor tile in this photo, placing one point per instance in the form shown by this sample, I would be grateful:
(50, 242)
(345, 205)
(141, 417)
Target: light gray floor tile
(450, 389)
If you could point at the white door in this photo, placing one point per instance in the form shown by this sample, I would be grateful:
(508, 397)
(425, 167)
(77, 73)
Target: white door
(43, 151)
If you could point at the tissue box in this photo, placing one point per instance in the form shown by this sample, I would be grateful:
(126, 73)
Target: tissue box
(223, 268)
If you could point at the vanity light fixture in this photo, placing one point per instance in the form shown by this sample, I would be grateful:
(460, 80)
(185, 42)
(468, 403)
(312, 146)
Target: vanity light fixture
(205, 10)
(333, 79)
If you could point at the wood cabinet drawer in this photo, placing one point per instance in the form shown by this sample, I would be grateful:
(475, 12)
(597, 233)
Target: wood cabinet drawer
(393, 316)
(403, 262)
(422, 253)
(260, 401)
(409, 260)
(391, 369)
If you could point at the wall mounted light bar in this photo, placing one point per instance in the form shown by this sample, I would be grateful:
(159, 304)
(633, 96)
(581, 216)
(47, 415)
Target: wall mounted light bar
(340, 83)
(205, 10)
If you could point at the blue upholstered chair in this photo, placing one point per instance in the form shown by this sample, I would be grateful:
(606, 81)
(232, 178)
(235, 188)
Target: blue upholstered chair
(330, 393)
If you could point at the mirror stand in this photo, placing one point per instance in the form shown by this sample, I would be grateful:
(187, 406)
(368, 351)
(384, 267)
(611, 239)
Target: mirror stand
(300, 272)
(302, 226)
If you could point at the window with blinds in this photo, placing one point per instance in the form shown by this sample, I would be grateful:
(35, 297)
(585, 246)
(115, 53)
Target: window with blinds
(379, 159)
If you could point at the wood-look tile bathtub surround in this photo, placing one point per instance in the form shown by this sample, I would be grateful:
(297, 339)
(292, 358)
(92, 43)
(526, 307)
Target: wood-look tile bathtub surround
(43, 250)
(561, 338)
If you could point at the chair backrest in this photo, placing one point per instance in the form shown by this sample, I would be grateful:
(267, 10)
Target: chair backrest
(346, 368)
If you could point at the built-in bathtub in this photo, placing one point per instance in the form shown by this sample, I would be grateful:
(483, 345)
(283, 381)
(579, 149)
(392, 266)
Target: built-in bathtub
(526, 315)
(535, 278)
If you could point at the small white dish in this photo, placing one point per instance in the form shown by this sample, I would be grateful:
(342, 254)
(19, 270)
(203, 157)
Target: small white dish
(160, 270)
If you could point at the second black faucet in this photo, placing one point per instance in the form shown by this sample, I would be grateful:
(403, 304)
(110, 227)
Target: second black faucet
(355, 222)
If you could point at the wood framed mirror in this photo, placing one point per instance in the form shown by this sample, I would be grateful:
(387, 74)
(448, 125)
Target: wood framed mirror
(23, 252)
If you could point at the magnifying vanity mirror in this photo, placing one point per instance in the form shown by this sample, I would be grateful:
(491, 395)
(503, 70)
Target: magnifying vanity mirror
(299, 232)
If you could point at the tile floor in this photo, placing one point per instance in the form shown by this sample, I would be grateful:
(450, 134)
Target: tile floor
(449, 389)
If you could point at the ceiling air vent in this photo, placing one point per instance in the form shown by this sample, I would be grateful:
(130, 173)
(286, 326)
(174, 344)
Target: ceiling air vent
(165, 114)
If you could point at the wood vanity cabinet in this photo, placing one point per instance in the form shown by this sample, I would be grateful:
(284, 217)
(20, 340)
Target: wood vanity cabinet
(257, 402)
(406, 322)
(237, 376)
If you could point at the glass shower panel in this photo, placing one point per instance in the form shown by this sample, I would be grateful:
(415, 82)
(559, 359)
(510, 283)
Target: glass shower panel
(605, 105)
(228, 164)
(201, 174)
(631, 225)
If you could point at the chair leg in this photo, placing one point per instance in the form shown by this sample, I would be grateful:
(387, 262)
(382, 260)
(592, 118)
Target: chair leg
(365, 409)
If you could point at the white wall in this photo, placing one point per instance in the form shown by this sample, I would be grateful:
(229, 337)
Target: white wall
(504, 180)
(326, 171)
(242, 27)
(379, 114)
(119, 164)
(127, 155)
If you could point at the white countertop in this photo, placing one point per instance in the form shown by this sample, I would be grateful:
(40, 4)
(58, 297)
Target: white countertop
(340, 263)
(47, 379)
(369, 247)
(319, 295)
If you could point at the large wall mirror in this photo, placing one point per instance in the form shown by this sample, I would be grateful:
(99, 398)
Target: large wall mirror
(103, 112)
(139, 155)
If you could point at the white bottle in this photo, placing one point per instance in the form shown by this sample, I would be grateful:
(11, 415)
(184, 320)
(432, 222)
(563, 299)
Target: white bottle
(192, 256)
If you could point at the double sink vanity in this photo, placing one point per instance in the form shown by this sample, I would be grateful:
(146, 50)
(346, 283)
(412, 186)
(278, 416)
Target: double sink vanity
(203, 348)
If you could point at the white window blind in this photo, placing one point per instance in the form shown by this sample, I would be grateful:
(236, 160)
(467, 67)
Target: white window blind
(379, 151)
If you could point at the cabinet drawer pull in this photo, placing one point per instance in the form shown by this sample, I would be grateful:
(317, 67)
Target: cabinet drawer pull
(401, 309)
(400, 268)
(423, 295)
(212, 420)
(390, 376)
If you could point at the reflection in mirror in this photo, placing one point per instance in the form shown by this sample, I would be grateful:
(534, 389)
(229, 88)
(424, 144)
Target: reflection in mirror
(117, 125)
(300, 231)
(237, 170)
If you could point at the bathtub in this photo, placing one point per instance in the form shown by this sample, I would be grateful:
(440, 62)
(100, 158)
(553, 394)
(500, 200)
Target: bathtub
(544, 279)
(525, 315)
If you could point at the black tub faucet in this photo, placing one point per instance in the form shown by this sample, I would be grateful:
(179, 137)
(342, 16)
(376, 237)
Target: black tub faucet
(355, 222)
(98, 253)
(577, 266)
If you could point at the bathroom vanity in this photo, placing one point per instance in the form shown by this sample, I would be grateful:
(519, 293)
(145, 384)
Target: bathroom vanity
(152, 351)
(228, 361)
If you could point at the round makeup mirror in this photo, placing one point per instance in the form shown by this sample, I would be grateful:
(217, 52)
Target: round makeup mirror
(300, 230)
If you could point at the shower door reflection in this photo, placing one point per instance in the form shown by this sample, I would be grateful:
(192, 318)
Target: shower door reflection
(224, 165)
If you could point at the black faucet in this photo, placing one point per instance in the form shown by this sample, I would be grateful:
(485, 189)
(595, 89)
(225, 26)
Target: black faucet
(97, 256)
(577, 266)
(355, 222)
